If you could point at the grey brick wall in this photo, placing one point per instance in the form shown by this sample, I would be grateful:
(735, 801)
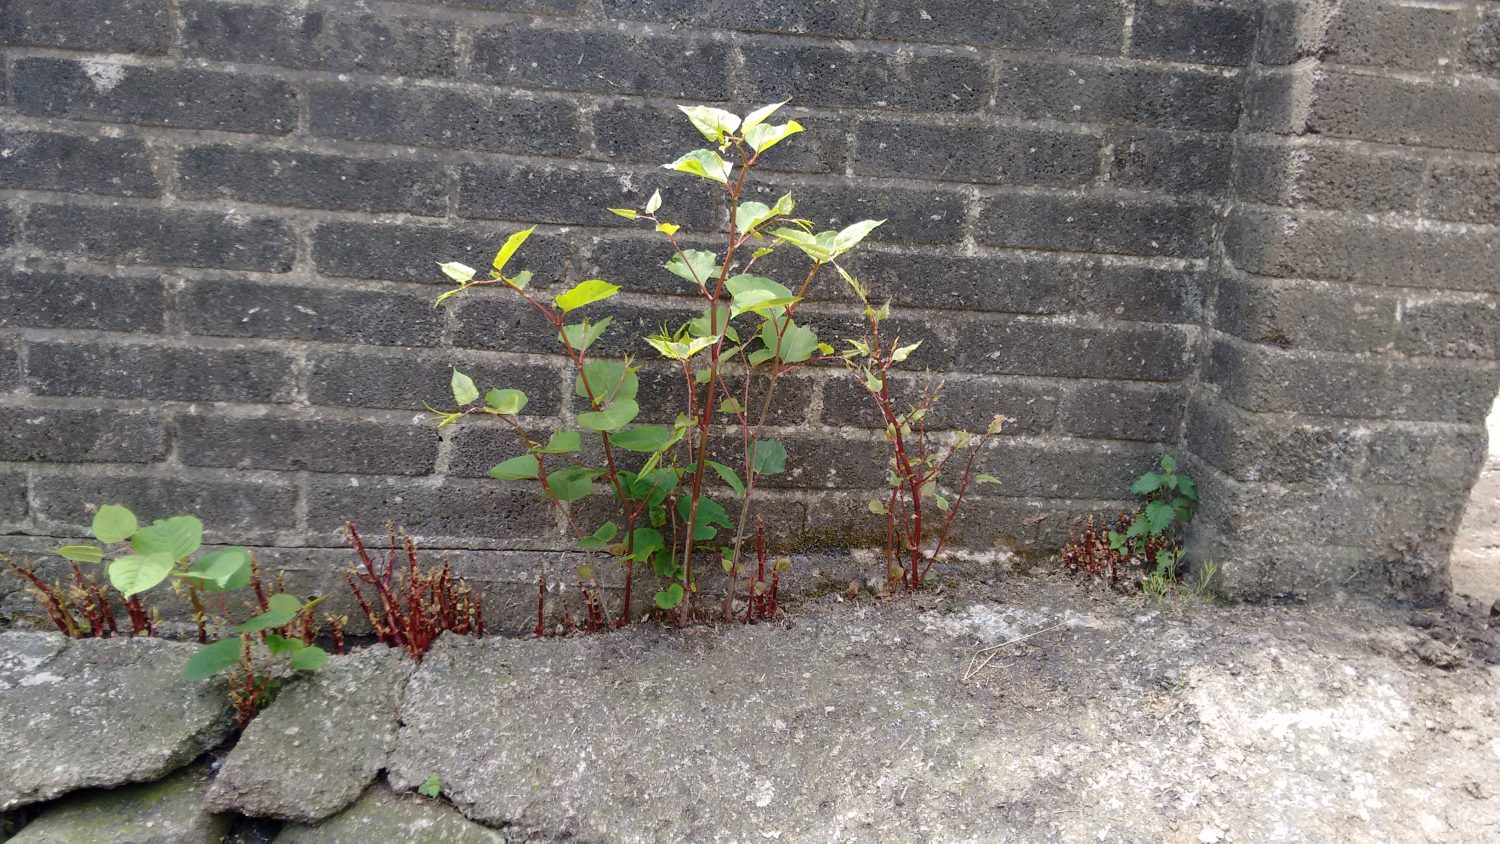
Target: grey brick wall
(1261, 235)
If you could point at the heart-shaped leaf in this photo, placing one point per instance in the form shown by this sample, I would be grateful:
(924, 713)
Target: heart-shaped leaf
(114, 523)
(177, 537)
(136, 573)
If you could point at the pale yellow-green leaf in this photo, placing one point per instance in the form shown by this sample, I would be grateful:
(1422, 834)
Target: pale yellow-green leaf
(461, 273)
(586, 292)
(512, 243)
(757, 117)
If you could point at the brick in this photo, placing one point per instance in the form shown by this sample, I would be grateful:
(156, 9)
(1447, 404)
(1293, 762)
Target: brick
(663, 396)
(137, 370)
(1135, 96)
(1305, 315)
(911, 214)
(398, 252)
(32, 298)
(654, 134)
(1467, 191)
(1089, 26)
(1005, 283)
(1371, 32)
(1289, 31)
(14, 506)
(1174, 164)
(545, 7)
(81, 435)
(319, 37)
(509, 324)
(309, 180)
(440, 117)
(463, 511)
(1275, 101)
(845, 76)
(407, 380)
(1123, 412)
(171, 237)
(1328, 177)
(1452, 326)
(241, 510)
(1023, 347)
(311, 445)
(1263, 380)
(75, 164)
(1096, 224)
(1272, 448)
(1447, 114)
(1067, 468)
(256, 309)
(1481, 45)
(10, 366)
(974, 153)
(551, 194)
(1148, 294)
(967, 403)
(7, 226)
(117, 26)
(1362, 250)
(1209, 33)
(603, 61)
(181, 97)
(1442, 457)
(839, 17)
(820, 462)
(638, 263)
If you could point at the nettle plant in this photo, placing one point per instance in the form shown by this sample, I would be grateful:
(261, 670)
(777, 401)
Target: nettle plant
(731, 360)
(1147, 541)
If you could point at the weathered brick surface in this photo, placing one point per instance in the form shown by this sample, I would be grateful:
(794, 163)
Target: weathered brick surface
(1259, 235)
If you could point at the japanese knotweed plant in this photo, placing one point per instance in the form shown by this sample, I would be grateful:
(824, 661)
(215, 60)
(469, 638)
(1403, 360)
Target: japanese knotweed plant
(922, 472)
(731, 359)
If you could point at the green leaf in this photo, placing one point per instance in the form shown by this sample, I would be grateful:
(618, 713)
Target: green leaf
(627, 213)
(712, 123)
(1147, 483)
(668, 229)
(1168, 463)
(431, 787)
(670, 596)
(281, 645)
(705, 163)
(461, 273)
(612, 417)
(508, 250)
(224, 569)
(136, 573)
(583, 335)
(817, 247)
(770, 458)
(571, 483)
(562, 442)
(710, 513)
(695, 265)
(645, 438)
(795, 345)
(1188, 489)
(464, 391)
(517, 468)
(519, 280)
(608, 379)
(1159, 516)
(679, 350)
(310, 658)
(82, 553)
(757, 117)
(211, 659)
(877, 506)
(176, 537)
(281, 608)
(756, 293)
(904, 352)
(505, 402)
(727, 475)
(850, 236)
(986, 478)
(766, 135)
(113, 523)
(644, 542)
(586, 292)
(599, 538)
